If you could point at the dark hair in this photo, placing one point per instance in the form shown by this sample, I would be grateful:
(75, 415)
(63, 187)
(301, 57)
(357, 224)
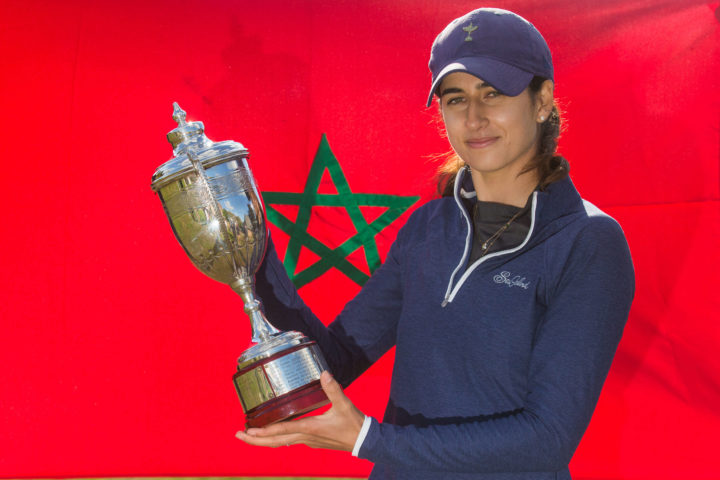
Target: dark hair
(550, 166)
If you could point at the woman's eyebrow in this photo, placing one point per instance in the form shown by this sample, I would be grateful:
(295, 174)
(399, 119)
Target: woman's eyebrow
(458, 90)
(450, 90)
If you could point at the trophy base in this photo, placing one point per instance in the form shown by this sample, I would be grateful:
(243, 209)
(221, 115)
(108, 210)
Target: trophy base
(280, 379)
(288, 406)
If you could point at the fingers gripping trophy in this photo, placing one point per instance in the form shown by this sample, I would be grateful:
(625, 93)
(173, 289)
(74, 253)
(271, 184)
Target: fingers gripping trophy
(217, 215)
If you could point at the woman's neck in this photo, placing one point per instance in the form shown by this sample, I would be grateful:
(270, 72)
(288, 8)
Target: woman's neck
(510, 190)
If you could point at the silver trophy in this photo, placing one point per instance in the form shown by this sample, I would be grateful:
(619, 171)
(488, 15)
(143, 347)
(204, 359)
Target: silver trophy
(218, 217)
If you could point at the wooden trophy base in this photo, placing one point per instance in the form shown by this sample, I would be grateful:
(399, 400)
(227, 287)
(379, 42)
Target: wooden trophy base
(280, 379)
(288, 406)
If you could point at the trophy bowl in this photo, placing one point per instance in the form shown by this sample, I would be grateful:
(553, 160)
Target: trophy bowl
(216, 213)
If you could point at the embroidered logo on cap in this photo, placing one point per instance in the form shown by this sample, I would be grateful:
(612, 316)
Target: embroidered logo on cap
(469, 29)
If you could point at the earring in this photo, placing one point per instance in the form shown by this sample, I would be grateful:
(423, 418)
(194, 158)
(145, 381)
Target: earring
(542, 118)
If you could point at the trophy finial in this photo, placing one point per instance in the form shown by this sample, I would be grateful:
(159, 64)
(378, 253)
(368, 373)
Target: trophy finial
(179, 114)
(185, 132)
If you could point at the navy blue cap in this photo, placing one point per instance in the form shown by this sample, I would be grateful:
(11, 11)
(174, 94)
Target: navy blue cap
(498, 46)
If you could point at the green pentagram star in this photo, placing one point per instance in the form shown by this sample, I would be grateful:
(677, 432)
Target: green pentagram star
(365, 232)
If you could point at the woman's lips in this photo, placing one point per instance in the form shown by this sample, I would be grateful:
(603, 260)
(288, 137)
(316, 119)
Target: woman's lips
(480, 142)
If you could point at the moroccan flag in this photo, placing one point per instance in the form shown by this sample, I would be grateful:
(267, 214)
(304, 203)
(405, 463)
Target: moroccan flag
(117, 354)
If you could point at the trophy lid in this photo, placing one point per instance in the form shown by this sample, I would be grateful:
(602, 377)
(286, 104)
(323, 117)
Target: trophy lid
(187, 140)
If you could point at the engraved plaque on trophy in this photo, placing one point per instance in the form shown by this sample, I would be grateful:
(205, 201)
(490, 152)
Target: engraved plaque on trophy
(217, 215)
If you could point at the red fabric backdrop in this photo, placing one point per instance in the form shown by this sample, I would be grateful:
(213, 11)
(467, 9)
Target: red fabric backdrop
(117, 354)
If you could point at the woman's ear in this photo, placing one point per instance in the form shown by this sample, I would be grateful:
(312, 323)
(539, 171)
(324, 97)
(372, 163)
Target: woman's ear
(545, 100)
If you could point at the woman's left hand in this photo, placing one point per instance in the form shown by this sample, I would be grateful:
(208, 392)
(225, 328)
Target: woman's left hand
(336, 429)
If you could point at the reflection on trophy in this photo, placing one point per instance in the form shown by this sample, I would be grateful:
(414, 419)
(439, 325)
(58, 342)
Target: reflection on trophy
(217, 215)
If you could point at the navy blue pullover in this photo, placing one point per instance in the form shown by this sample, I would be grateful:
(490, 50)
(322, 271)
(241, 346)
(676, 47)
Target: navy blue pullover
(499, 365)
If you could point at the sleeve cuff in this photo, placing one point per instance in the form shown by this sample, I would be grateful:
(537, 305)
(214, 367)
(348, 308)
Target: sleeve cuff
(361, 436)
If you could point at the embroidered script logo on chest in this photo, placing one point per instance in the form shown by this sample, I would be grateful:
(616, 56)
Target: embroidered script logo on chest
(510, 280)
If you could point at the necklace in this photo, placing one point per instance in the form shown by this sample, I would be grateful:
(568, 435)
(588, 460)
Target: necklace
(489, 242)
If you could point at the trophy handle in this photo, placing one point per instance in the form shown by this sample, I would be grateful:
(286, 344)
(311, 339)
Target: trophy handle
(262, 330)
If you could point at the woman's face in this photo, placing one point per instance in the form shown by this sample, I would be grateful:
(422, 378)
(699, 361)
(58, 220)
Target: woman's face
(496, 135)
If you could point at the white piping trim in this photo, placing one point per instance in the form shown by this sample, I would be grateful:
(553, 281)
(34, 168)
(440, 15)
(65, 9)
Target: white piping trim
(361, 436)
(465, 194)
(449, 298)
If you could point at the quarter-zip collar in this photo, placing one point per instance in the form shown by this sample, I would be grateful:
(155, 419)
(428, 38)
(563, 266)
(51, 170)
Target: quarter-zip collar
(461, 191)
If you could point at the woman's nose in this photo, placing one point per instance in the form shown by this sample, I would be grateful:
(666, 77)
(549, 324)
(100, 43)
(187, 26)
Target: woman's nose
(476, 115)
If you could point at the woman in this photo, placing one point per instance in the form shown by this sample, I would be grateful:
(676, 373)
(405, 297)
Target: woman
(505, 299)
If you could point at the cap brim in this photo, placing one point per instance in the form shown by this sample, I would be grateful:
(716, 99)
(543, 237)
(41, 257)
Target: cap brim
(509, 80)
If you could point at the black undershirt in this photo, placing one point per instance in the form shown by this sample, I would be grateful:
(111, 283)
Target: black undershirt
(489, 217)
